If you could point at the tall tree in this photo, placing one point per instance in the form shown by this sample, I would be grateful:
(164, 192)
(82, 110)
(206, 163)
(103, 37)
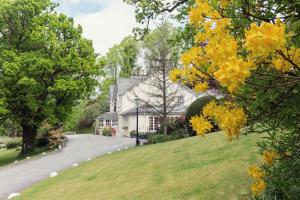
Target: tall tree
(160, 57)
(46, 65)
(121, 58)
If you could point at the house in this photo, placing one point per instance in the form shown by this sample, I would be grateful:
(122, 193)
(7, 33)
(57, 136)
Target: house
(122, 114)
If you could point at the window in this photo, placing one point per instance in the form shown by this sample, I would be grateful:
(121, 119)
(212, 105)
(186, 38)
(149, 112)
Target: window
(114, 122)
(153, 123)
(107, 122)
(101, 123)
(181, 99)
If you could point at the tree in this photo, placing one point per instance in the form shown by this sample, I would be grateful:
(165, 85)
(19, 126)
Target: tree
(121, 59)
(259, 74)
(160, 57)
(46, 65)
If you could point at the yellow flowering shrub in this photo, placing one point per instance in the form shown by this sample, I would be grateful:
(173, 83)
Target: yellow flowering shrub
(269, 157)
(258, 187)
(228, 116)
(265, 39)
(175, 75)
(201, 125)
(259, 184)
(201, 87)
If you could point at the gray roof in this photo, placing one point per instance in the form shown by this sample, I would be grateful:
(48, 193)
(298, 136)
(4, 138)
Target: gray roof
(108, 115)
(151, 111)
(124, 84)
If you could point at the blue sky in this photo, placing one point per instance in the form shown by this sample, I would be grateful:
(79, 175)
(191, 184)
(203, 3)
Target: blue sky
(105, 22)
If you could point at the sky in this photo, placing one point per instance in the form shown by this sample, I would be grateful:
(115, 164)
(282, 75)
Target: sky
(105, 22)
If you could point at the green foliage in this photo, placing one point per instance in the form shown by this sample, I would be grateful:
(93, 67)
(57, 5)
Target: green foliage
(159, 138)
(83, 115)
(195, 109)
(12, 143)
(121, 58)
(46, 65)
(176, 129)
(161, 53)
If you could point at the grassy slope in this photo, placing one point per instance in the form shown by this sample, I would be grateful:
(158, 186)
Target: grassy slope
(8, 156)
(194, 168)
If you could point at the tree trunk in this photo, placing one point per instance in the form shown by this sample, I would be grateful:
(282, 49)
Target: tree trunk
(29, 135)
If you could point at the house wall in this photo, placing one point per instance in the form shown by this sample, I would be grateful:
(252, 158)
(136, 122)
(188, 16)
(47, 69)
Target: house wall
(126, 102)
(130, 123)
(98, 128)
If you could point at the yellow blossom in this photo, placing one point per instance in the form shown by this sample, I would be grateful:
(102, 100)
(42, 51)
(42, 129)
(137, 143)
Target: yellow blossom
(260, 42)
(269, 157)
(227, 116)
(175, 75)
(233, 73)
(201, 87)
(255, 172)
(200, 125)
(258, 187)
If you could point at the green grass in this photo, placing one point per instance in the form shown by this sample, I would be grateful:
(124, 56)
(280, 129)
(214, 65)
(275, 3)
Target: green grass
(8, 156)
(193, 169)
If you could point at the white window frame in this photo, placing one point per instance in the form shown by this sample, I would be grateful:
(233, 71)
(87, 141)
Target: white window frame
(107, 122)
(153, 123)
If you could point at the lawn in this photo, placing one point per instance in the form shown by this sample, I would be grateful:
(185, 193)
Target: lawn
(194, 168)
(8, 156)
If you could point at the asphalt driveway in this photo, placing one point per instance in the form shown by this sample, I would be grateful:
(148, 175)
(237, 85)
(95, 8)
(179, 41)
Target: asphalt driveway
(16, 177)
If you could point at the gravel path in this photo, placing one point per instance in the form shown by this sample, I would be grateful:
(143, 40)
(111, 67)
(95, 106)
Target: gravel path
(16, 177)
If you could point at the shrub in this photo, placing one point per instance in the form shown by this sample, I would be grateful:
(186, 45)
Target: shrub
(195, 109)
(12, 143)
(107, 131)
(159, 138)
(55, 138)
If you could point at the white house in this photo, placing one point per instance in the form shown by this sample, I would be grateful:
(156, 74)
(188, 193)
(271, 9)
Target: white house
(122, 115)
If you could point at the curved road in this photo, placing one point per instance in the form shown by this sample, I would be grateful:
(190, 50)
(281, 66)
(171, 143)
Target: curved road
(16, 177)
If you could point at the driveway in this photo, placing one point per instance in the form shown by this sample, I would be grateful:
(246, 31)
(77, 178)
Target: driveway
(16, 177)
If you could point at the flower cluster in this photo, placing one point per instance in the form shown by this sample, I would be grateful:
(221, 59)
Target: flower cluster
(217, 56)
(200, 125)
(233, 73)
(269, 157)
(259, 40)
(175, 75)
(259, 184)
(229, 117)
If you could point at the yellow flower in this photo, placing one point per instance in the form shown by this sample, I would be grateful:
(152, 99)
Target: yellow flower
(201, 87)
(255, 172)
(233, 73)
(258, 187)
(269, 157)
(259, 40)
(175, 75)
(200, 125)
(228, 117)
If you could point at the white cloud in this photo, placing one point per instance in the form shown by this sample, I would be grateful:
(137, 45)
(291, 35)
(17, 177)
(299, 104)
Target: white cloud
(109, 25)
